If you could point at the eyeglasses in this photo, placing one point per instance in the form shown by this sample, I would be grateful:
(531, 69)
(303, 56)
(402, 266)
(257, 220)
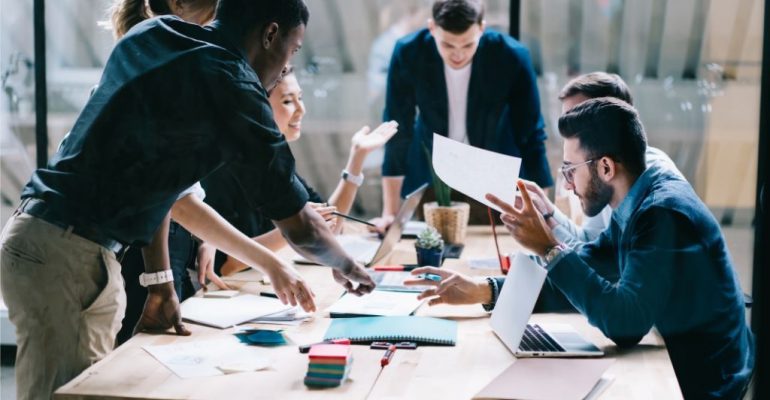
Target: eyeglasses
(569, 170)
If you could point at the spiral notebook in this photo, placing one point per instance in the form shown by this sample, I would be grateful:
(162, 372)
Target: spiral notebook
(423, 330)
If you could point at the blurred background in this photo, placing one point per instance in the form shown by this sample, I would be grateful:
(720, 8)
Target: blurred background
(694, 68)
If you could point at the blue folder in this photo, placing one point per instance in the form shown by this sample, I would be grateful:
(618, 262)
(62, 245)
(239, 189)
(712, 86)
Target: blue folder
(423, 330)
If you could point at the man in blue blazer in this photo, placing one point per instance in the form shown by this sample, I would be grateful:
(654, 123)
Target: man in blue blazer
(457, 80)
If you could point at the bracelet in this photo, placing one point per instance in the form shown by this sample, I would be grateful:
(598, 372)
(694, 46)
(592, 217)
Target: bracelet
(492, 282)
(357, 180)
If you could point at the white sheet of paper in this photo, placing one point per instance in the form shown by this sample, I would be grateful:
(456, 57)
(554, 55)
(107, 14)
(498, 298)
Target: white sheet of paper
(208, 357)
(378, 302)
(474, 171)
(413, 228)
(224, 313)
(484, 263)
(291, 317)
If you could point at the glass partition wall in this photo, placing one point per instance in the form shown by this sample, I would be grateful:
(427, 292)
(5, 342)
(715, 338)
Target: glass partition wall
(694, 68)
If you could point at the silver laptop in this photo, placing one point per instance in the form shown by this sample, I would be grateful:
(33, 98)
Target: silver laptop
(513, 309)
(369, 252)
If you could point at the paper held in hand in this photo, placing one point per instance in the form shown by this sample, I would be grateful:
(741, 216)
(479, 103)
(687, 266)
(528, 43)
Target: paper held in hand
(474, 171)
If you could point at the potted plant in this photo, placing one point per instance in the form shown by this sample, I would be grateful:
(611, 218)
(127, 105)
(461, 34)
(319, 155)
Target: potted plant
(429, 247)
(450, 218)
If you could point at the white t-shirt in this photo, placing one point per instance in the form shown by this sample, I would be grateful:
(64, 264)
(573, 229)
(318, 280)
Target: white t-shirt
(457, 81)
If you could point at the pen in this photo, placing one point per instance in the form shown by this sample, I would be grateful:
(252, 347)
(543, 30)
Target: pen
(399, 345)
(353, 218)
(407, 267)
(432, 277)
(268, 294)
(305, 348)
(385, 360)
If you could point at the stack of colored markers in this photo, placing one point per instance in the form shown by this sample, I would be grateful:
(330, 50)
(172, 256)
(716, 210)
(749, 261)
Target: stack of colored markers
(329, 365)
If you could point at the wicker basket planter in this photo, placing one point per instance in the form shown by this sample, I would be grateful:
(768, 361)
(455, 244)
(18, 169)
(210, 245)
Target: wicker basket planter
(451, 222)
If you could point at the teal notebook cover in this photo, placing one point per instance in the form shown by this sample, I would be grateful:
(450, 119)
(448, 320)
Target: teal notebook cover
(423, 330)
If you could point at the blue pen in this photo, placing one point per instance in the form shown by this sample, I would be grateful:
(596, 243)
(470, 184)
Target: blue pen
(431, 277)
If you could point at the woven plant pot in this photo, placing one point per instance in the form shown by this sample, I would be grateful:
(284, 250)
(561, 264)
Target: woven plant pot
(451, 222)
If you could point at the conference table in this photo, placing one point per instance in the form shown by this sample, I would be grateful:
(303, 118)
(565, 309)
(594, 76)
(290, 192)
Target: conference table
(429, 372)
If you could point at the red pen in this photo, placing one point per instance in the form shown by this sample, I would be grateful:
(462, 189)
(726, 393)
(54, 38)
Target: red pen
(385, 360)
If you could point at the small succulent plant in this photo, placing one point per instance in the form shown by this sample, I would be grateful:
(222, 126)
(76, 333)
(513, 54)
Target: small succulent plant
(429, 238)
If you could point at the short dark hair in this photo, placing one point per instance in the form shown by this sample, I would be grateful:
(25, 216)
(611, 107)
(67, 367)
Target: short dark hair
(610, 127)
(456, 16)
(289, 71)
(248, 14)
(597, 84)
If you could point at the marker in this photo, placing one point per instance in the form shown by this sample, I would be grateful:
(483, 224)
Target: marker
(268, 294)
(407, 267)
(385, 360)
(353, 218)
(305, 348)
(430, 277)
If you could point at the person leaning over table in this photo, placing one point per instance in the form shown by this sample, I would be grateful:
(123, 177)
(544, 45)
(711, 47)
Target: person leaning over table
(144, 136)
(182, 247)
(470, 84)
(225, 196)
(576, 91)
(661, 239)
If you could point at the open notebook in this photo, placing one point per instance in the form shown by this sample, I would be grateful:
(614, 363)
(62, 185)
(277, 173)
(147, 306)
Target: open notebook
(423, 330)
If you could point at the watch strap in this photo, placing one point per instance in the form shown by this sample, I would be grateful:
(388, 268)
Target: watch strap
(553, 251)
(357, 180)
(156, 278)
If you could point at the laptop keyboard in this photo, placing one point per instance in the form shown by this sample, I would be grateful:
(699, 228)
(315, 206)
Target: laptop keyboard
(536, 339)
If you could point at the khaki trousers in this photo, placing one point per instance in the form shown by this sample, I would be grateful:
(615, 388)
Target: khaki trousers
(64, 295)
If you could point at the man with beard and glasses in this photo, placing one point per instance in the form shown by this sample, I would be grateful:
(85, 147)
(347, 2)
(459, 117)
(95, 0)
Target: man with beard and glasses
(661, 239)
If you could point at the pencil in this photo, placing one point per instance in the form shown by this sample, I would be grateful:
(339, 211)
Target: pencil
(353, 218)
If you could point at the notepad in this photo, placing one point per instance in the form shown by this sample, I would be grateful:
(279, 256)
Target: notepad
(423, 330)
(377, 303)
(548, 378)
(329, 351)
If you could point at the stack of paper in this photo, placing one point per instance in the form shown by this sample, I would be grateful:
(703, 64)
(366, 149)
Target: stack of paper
(329, 365)
(224, 313)
(377, 303)
(293, 316)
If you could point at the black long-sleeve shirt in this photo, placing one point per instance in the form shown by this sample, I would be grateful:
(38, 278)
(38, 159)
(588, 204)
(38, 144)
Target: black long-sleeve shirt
(176, 102)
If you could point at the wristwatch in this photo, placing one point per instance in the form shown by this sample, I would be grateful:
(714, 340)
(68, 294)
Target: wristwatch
(553, 251)
(357, 180)
(156, 278)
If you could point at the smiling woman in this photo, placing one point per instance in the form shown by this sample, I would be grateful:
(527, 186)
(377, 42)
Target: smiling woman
(288, 111)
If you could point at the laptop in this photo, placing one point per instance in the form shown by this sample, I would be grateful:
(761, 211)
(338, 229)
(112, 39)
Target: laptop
(511, 315)
(369, 252)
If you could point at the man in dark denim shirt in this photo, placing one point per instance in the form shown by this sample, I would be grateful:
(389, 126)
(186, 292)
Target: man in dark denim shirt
(176, 102)
(674, 267)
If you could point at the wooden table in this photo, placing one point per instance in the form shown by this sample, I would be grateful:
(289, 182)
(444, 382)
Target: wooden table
(459, 372)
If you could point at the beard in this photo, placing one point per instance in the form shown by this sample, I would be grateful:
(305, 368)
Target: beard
(597, 195)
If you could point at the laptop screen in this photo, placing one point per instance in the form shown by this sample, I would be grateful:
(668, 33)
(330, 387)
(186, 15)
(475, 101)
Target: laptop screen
(393, 235)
